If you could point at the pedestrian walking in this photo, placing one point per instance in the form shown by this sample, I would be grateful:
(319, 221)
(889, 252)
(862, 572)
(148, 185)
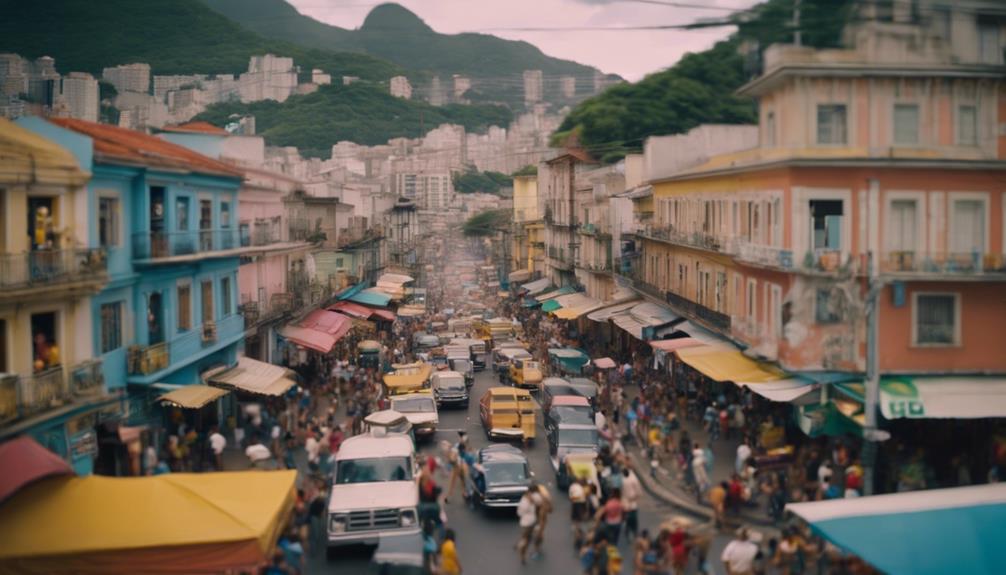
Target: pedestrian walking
(217, 443)
(632, 490)
(527, 517)
(698, 465)
(449, 562)
(739, 555)
(610, 516)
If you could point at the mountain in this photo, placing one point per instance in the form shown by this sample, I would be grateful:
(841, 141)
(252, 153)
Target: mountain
(173, 36)
(361, 113)
(400, 36)
(700, 88)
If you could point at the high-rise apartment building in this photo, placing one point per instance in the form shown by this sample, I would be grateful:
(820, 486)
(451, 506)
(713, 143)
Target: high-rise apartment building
(128, 77)
(461, 85)
(532, 86)
(80, 92)
(268, 77)
(567, 86)
(401, 88)
(13, 75)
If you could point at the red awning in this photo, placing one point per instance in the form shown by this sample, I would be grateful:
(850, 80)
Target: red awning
(334, 324)
(384, 314)
(353, 309)
(24, 461)
(309, 338)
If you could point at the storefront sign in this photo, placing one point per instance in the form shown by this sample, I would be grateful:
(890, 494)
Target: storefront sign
(84, 445)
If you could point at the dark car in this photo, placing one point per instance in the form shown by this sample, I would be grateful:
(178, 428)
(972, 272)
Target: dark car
(572, 409)
(500, 476)
(398, 554)
(568, 439)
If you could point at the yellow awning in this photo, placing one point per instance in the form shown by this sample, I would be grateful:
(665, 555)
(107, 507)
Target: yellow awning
(193, 396)
(256, 376)
(575, 305)
(729, 365)
(28, 158)
(180, 522)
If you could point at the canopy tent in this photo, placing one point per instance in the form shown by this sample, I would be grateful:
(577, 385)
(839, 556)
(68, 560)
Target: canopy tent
(371, 297)
(550, 305)
(604, 313)
(729, 365)
(24, 461)
(670, 345)
(351, 309)
(319, 330)
(943, 397)
(519, 276)
(604, 363)
(640, 320)
(309, 338)
(193, 396)
(536, 287)
(555, 293)
(958, 530)
(570, 359)
(575, 305)
(393, 284)
(256, 376)
(178, 522)
(782, 390)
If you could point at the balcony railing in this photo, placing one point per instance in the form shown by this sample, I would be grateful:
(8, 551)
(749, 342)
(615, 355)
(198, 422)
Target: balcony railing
(974, 263)
(52, 267)
(260, 236)
(144, 360)
(156, 245)
(717, 320)
(349, 237)
(595, 266)
(87, 378)
(26, 395)
(764, 255)
(43, 390)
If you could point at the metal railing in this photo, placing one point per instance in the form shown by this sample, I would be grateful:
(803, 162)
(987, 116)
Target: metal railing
(764, 255)
(956, 263)
(26, 395)
(155, 245)
(50, 267)
(716, 319)
(144, 360)
(87, 378)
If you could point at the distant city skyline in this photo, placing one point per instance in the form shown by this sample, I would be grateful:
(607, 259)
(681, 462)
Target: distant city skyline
(630, 53)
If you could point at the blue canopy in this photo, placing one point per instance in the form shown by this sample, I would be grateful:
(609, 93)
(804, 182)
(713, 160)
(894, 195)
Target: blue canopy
(372, 297)
(958, 530)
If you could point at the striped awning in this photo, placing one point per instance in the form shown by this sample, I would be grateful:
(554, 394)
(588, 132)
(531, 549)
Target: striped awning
(193, 396)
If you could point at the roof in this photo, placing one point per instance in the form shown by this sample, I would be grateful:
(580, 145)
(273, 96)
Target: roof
(28, 157)
(372, 297)
(957, 530)
(509, 391)
(181, 522)
(24, 461)
(366, 446)
(197, 128)
(256, 377)
(193, 396)
(570, 401)
(576, 154)
(116, 145)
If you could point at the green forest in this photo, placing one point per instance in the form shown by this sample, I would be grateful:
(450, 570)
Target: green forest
(486, 223)
(700, 88)
(361, 113)
(472, 181)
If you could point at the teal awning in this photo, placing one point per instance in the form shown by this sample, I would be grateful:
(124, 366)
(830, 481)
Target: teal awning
(372, 297)
(555, 293)
(550, 305)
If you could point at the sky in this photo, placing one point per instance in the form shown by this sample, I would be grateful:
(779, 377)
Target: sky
(629, 53)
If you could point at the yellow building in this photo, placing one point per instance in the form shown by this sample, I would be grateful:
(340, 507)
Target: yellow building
(528, 251)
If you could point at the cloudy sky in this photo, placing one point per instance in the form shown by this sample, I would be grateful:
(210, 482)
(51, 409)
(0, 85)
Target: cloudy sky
(629, 53)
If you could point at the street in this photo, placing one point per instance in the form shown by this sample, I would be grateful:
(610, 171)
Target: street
(486, 539)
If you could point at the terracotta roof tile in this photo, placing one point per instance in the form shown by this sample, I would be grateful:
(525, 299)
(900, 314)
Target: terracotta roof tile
(131, 147)
(197, 127)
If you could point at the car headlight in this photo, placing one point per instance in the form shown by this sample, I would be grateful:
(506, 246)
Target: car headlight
(337, 522)
(408, 517)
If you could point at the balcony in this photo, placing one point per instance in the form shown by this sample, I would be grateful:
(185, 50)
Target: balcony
(353, 238)
(598, 267)
(144, 360)
(23, 396)
(692, 309)
(957, 265)
(190, 244)
(766, 256)
(46, 271)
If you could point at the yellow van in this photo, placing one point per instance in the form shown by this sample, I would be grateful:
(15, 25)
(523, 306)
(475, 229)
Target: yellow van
(408, 378)
(508, 413)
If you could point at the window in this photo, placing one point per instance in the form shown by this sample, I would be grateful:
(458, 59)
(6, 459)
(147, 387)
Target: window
(182, 217)
(936, 319)
(3, 346)
(968, 227)
(184, 307)
(225, 214)
(111, 326)
(903, 225)
(108, 222)
(770, 129)
(225, 296)
(738, 298)
(906, 124)
(941, 21)
(831, 124)
(775, 310)
(826, 224)
(45, 347)
(967, 125)
(989, 51)
(207, 297)
(752, 311)
(826, 308)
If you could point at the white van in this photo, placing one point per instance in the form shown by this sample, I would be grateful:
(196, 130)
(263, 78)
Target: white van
(373, 490)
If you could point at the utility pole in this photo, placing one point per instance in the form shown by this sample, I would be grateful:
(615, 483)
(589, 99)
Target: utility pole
(796, 23)
(875, 285)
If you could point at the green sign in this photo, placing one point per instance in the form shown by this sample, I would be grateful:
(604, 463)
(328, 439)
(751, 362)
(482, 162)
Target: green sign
(899, 398)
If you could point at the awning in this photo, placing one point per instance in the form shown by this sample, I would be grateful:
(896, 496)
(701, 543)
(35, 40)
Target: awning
(943, 397)
(537, 286)
(606, 312)
(604, 363)
(383, 314)
(637, 192)
(330, 322)
(638, 320)
(519, 276)
(255, 376)
(353, 309)
(397, 279)
(782, 390)
(193, 396)
(702, 334)
(309, 338)
(669, 345)
(411, 310)
(629, 324)
(575, 305)
(372, 297)
(565, 290)
(958, 530)
(550, 305)
(729, 365)
(24, 462)
(178, 522)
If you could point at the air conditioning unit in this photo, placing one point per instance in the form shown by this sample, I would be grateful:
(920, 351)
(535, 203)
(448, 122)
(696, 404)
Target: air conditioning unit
(209, 331)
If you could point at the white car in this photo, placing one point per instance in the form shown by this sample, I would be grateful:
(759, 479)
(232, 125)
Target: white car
(421, 411)
(373, 490)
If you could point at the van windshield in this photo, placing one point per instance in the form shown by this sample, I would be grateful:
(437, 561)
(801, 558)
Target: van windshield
(451, 383)
(461, 365)
(414, 404)
(373, 470)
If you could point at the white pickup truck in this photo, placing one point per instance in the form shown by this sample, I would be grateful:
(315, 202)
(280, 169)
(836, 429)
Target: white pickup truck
(373, 490)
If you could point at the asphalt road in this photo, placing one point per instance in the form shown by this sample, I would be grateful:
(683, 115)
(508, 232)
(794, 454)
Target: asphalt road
(486, 539)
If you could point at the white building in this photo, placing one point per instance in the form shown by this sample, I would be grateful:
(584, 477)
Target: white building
(80, 92)
(461, 85)
(567, 86)
(320, 78)
(401, 88)
(128, 77)
(268, 77)
(532, 86)
(429, 190)
(13, 75)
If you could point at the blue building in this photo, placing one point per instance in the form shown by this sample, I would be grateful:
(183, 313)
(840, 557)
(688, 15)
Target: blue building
(167, 218)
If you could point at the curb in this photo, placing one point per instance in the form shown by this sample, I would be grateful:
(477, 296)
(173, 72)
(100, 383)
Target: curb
(667, 496)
